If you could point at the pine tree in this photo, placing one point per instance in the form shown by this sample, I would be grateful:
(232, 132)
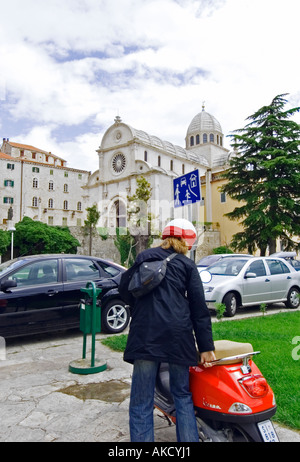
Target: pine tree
(264, 176)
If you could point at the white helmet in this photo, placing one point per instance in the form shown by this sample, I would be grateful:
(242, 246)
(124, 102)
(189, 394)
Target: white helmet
(181, 228)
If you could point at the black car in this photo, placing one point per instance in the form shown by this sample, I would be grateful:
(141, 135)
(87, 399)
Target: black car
(41, 293)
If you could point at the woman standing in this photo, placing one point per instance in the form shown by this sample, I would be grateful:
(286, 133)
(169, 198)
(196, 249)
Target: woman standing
(164, 326)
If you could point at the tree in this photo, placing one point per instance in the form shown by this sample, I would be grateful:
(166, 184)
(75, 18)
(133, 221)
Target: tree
(34, 237)
(4, 241)
(264, 175)
(138, 216)
(90, 224)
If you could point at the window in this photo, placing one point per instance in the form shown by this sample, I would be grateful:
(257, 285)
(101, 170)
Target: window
(50, 185)
(79, 176)
(223, 197)
(171, 164)
(33, 154)
(110, 271)
(35, 183)
(211, 138)
(8, 200)
(79, 269)
(158, 161)
(65, 205)
(51, 172)
(145, 156)
(79, 206)
(197, 139)
(183, 169)
(34, 202)
(258, 268)
(66, 174)
(64, 221)
(50, 204)
(277, 267)
(204, 137)
(9, 183)
(43, 272)
(191, 141)
(65, 188)
(50, 221)
(35, 169)
(10, 166)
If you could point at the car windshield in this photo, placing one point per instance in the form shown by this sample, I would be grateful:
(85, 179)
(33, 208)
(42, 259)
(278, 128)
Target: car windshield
(209, 260)
(10, 265)
(227, 267)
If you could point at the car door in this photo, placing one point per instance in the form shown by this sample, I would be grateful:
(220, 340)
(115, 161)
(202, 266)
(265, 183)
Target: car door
(34, 305)
(281, 279)
(256, 289)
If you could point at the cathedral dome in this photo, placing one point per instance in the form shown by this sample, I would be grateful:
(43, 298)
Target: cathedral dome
(204, 122)
(203, 129)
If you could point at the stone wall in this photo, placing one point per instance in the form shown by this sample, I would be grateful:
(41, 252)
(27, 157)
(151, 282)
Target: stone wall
(207, 241)
(102, 248)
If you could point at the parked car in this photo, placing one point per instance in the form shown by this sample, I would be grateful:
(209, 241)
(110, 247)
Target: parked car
(41, 293)
(247, 281)
(205, 262)
(290, 257)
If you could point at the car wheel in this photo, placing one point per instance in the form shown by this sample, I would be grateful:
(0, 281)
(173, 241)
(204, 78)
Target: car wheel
(115, 316)
(231, 303)
(293, 300)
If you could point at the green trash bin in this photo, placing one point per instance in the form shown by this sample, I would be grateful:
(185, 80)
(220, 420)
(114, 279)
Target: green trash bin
(86, 316)
(89, 323)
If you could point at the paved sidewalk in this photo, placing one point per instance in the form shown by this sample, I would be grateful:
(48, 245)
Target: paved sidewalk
(40, 400)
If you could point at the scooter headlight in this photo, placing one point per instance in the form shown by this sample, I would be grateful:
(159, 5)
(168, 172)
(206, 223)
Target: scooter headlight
(239, 408)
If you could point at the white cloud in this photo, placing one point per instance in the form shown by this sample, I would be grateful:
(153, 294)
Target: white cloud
(80, 62)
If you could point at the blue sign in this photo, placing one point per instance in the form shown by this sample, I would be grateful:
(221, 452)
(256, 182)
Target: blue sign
(187, 189)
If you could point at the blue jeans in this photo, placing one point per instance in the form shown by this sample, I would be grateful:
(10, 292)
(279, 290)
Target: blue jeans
(142, 402)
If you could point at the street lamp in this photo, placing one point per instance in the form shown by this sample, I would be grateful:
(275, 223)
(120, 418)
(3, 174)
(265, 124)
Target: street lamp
(12, 229)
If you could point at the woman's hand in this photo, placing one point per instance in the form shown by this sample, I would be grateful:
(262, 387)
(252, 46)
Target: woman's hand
(206, 357)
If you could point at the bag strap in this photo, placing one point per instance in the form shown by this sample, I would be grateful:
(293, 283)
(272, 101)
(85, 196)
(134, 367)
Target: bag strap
(173, 255)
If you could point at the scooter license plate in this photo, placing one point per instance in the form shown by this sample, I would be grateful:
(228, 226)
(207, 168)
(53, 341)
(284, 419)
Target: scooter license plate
(267, 431)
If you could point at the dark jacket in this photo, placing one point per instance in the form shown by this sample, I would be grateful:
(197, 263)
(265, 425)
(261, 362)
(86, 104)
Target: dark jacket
(163, 321)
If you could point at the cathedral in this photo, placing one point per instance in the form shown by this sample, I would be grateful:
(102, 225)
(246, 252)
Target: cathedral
(127, 153)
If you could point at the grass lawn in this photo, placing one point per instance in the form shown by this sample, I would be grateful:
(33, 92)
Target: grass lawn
(279, 360)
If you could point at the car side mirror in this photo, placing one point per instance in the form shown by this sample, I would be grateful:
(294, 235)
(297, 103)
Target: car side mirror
(250, 275)
(8, 284)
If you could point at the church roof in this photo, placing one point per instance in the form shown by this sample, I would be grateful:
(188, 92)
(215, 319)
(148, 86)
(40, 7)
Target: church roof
(173, 149)
(204, 123)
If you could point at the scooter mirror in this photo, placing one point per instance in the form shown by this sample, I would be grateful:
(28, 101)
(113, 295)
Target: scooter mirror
(205, 276)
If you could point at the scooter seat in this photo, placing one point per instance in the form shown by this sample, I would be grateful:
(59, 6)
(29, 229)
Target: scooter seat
(227, 348)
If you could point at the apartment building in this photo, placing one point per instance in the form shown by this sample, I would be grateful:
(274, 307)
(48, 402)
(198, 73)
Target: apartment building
(39, 185)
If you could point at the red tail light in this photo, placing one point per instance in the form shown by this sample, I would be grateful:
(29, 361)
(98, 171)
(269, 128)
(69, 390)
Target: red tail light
(256, 386)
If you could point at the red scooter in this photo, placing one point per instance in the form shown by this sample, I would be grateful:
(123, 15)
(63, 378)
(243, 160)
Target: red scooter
(232, 399)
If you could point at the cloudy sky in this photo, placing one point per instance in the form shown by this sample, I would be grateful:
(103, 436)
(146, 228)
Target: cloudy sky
(68, 67)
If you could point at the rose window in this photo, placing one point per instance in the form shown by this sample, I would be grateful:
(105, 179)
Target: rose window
(118, 163)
